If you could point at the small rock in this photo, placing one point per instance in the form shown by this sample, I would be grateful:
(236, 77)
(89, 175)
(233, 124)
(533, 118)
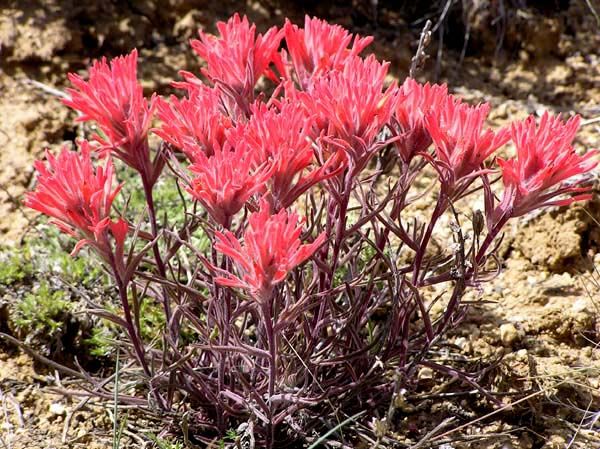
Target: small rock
(56, 408)
(508, 334)
(463, 344)
(580, 305)
(425, 373)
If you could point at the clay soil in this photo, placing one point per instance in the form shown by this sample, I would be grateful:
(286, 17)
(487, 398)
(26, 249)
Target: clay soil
(540, 316)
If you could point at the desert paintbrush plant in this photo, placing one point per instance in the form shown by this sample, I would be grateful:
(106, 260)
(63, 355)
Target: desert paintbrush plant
(282, 314)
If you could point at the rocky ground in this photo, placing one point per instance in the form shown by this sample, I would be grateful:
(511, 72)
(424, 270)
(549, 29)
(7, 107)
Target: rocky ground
(541, 314)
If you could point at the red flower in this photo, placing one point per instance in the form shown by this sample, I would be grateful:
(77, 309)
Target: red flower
(320, 47)
(271, 249)
(114, 99)
(78, 197)
(238, 58)
(281, 139)
(415, 101)
(545, 161)
(354, 106)
(224, 181)
(461, 143)
(198, 122)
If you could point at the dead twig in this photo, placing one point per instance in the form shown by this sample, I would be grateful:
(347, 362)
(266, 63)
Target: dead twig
(48, 89)
(418, 60)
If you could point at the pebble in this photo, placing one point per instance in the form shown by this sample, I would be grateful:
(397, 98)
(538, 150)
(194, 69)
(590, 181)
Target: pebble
(56, 408)
(508, 334)
(580, 305)
(425, 373)
(522, 354)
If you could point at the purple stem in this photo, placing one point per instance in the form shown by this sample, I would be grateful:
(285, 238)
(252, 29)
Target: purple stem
(148, 192)
(272, 347)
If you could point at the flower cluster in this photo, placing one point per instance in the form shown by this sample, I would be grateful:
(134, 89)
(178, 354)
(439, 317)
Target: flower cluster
(415, 102)
(281, 138)
(319, 47)
(226, 180)
(461, 143)
(353, 107)
(196, 123)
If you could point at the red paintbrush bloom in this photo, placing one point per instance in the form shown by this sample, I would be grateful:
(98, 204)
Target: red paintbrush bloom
(461, 143)
(354, 106)
(319, 47)
(281, 140)
(415, 101)
(114, 99)
(238, 58)
(224, 181)
(271, 249)
(545, 161)
(198, 122)
(78, 197)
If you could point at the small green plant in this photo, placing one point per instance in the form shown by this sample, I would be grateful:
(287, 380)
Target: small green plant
(15, 265)
(42, 311)
(101, 342)
(161, 443)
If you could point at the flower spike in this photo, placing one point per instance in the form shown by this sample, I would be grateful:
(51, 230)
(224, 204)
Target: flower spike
(319, 47)
(546, 167)
(415, 102)
(353, 106)
(461, 143)
(238, 58)
(197, 122)
(271, 249)
(114, 99)
(224, 181)
(281, 140)
(78, 197)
